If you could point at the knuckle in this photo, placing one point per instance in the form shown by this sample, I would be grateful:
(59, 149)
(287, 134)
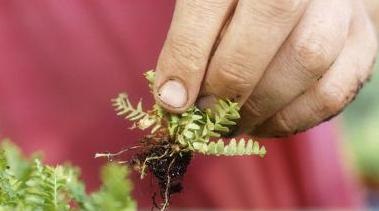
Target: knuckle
(253, 108)
(284, 124)
(334, 98)
(311, 55)
(186, 54)
(206, 5)
(235, 76)
(285, 7)
(279, 10)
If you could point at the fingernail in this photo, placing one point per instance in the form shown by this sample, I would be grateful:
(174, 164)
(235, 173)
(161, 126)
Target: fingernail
(206, 102)
(173, 93)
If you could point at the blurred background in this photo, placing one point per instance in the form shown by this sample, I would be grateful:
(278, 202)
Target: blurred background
(361, 127)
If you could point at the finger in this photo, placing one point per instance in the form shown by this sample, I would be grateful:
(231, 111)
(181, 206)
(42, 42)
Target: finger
(183, 59)
(309, 51)
(255, 33)
(335, 90)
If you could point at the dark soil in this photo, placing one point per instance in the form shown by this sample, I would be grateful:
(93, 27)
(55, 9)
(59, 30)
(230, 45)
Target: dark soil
(161, 169)
(166, 161)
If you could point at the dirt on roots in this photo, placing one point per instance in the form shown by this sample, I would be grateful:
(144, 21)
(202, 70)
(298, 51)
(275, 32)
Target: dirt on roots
(166, 161)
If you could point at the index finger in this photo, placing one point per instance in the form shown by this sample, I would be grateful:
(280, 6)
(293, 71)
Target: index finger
(185, 54)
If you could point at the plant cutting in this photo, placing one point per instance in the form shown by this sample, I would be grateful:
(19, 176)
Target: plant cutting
(173, 139)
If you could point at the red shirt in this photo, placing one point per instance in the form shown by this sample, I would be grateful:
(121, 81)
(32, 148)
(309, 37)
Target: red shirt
(61, 62)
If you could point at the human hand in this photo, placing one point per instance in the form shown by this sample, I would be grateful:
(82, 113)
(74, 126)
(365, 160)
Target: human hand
(290, 64)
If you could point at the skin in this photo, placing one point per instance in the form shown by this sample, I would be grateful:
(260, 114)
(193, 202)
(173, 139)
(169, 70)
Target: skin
(290, 64)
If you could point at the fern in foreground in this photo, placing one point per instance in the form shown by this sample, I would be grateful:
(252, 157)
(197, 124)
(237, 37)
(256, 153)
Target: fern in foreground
(30, 185)
(174, 138)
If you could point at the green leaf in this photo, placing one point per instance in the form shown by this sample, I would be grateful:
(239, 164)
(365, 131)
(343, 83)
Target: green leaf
(249, 147)
(188, 134)
(212, 148)
(200, 147)
(150, 76)
(193, 126)
(220, 147)
(241, 147)
(221, 128)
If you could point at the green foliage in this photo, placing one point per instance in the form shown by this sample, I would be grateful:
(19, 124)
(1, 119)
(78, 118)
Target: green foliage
(116, 189)
(194, 129)
(45, 187)
(30, 185)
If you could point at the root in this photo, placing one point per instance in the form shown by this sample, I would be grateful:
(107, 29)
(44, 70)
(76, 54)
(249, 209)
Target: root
(109, 155)
(164, 159)
(167, 195)
(150, 159)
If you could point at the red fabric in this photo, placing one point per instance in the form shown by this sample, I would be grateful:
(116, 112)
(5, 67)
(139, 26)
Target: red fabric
(61, 62)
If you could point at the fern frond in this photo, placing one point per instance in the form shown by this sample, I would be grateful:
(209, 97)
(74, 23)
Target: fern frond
(233, 148)
(186, 128)
(123, 107)
(225, 115)
(141, 119)
(45, 187)
(194, 128)
(30, 185)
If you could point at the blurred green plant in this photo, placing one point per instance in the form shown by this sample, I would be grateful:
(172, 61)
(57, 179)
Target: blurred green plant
(362, 128)
(28, 184)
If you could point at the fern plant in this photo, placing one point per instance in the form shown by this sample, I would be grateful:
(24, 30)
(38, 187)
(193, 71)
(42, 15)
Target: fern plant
(194, 129)
(167, 150)
(29, 185)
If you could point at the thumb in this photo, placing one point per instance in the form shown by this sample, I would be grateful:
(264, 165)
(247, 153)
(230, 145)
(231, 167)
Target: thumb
(186, 51)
